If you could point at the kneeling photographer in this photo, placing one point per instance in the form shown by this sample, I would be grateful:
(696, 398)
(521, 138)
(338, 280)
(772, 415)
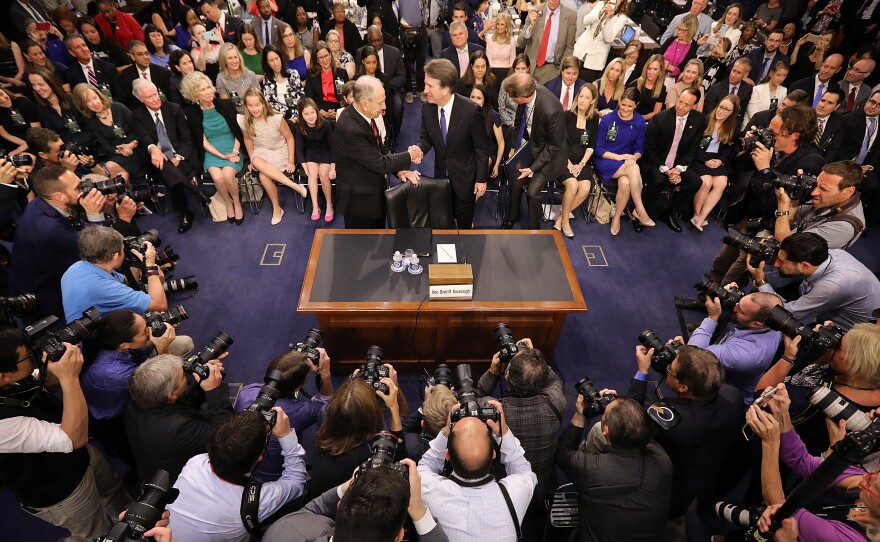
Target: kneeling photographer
(45, 458)
(534, 404)
(171, 417)
(285, 377)
(219, 500)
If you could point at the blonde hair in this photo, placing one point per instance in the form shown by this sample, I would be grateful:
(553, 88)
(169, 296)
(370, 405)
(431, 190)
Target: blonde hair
(727, 129)
(79, 99)
(591, 110)
(503, 15)
(191, 83)
(224, 52)
(862, 352)
(692, 24)
(619, 86)
(436, 409)
(248, 118)
(698, 82)
(658, 84)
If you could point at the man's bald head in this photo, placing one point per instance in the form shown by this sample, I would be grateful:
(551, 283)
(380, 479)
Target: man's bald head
(470, 449)
(860, 71)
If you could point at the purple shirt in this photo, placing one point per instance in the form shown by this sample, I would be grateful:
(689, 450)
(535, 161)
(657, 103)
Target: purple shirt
(105, 382)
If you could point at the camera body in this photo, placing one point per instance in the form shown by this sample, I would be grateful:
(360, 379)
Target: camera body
(50, 342)
(17, 306)
(116, 185)
(139, 244)
(798, 187)
(373, 370)
(197, 364)
(142, 515)
(17, 160)
(814, 343)
(76, 149)
(267, 396)
(760, 250)
(467, 397)
(507, 347)
(384, 447)
(764, 136)
(596, 403)
(664, 353)
(712, 289)
(156, 320)
(309, 346)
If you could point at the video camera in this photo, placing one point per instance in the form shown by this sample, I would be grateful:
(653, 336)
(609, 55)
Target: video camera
(197, 364)
(17, 306)
(373, 370)
(749, 141)
(664, 353)
(139, 244)
(712, 289)
(507, 347)
(309, 345)
(267, 396)
(760, 250)
(595, 403)
(142, 515)
(814, 343)
(798, 187)
(467, 398)
(156, 320)
(50, 342)
(383, 447)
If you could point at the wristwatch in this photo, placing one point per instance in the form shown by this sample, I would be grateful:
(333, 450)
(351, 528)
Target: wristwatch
(760, 283)
(152, 270)
(777, 214)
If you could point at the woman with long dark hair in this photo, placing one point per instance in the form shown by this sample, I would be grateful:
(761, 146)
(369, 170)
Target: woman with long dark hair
(102, 47)
(478, 72)
(56, 108)
(158, 45)
(314, 148)
(325, 81)
(250, 49)
(281, 85)
(17, 116)
(495, 133)
(715, 149)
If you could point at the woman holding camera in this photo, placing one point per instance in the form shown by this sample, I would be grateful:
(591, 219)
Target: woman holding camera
(602, 26)
(716, 148)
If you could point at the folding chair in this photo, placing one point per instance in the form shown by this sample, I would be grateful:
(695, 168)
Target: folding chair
(562, 514)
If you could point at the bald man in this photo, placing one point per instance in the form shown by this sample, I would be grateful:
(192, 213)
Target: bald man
(855, 91)
(820, 83)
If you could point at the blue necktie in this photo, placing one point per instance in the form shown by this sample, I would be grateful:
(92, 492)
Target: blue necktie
(443, 125)
(164, 142)
(866, 144)
(818, 94)
(522, 127)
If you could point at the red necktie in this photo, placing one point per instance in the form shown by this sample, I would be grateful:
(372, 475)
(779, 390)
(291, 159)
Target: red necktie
(851, 101)
(542, 51)
(565, 99)
(375, 132)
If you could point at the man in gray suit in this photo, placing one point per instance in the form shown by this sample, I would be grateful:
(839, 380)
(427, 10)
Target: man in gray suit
(267, 27)
(854, 80)
(548, 37)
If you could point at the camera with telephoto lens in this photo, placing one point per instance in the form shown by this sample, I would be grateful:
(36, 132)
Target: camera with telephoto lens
(750, 140)
(814, 343)
(268, 395)
(373, 370)
(142, 515)
(139, 244)
(17, 160)
(712, 289)
(738, 515)
(142, 195)
(76, 149)
(383, 447)
(156, 320)
(798, 187)
(309, 345)
(442, 376)
(116, 185)
(466, 394)
(664, 353)
(177, 285)
(507, 347)
(197, 364)
(836, 407)
(17, 306)
(760, 250)
(595, 403)
(50, 342)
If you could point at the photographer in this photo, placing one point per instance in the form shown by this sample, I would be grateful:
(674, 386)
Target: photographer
(710, 412)
(14, 194)
(371, 506)
(534, 407)
(165, 421)
(470, 445)
(45, 459)
(835, 286)
(852, 370)
(747, 347)
(212, 485)
(49, 149)
(622, 476)
(303, 413)
(94, 281)
(422, 427)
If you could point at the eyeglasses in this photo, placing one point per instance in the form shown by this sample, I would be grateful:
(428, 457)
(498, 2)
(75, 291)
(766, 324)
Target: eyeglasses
(323, 57)
(873, 103)
(669, 370)
(867, 481)
(728, 109)
(858, 71)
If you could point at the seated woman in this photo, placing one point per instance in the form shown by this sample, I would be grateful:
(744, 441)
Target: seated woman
(281, 86)
(691, 77)
(212, 122)
(35, 57)
(314, 148)
(620, 142)
(493, 129)
(652, 88)
(17, 116)
(714, 65)
(678, 51)
(206, 52)
(183, 31)
(116, 130)
(745, 44)
(610, 86)
(250, 49)
(306, 31)
(11, 65)
(342, 57)
(297, 56)
(582, 127)
(769, 93)
(181, 64)
(52, 44)
(728, 26)
(234, 78)
(271, 147)
(159, 46)
(56, 109)
(632, 69)
(325, 81)
(478, 73)
(716, 148)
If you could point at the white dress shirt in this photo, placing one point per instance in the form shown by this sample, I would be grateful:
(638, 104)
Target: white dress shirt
(447, 110)
(32, 436)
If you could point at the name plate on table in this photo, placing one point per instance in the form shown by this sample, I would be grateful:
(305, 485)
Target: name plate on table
(451, 291)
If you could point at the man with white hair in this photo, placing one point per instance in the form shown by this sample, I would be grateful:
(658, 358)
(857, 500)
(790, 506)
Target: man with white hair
(163, 130)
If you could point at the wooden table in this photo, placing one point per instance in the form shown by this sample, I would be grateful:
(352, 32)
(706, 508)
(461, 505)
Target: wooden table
(523, 278)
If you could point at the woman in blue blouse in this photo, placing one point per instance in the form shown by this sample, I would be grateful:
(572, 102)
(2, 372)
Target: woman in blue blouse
(620, 143)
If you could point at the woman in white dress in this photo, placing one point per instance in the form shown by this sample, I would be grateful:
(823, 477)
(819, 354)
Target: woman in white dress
(769, 93)
(601, 26)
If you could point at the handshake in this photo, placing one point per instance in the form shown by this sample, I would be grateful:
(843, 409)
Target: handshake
(415, 154)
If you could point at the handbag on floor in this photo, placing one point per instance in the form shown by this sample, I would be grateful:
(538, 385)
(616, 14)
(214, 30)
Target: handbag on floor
(600, 207)
(217, 208)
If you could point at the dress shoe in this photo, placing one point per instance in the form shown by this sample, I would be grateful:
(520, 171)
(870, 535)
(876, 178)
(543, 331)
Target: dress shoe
(638, 226)
(204, 199)
(186, 222)
(506, 225)
(277, 221)
(569, 235)
(239, 221)
(690, 304)
(696, 225)
(672, 221)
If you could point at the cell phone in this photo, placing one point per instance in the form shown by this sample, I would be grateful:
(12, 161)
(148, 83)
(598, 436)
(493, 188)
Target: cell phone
(45, 27)
(765, 397)
(812, 38)
(209, 35)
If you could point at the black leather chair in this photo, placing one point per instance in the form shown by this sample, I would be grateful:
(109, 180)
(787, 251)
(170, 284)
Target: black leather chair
(424, 205)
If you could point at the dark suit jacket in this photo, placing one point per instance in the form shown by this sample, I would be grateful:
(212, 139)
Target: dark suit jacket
(18, 16)
(757, 58)
(350, 34)
(393, 70)
(660, 133)
(105, 72)
(194, 115)
(548, 136)
(862, 94)
(832, 136)
(808, 85)
(361, 166)
(464, 155)
(230, 28)
(720, 90)
(854, 135)
(762, 119)
(450, 54)
(555, 86)
(178, 133)
(161, 77)
(314, 90)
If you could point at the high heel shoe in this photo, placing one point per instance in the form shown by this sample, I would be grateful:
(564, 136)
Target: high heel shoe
(648, 223)
(696, 224)
(615, 231)
(277, 221)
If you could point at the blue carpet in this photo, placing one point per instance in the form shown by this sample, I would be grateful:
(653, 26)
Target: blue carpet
(628, 282)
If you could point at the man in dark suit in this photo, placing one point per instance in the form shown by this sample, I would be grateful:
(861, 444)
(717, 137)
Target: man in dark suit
(671, 142)
(385, 10)
(830, 124)
(540, 120)
(453, 127)
(351, 36)
(20, 11)
(763, 58)
(361, 162)
(734, 84)
(568, 84)
(144, 69)
(163, 131)
(391, 65)
(227, 24)
(860, 143)
(459, 53)
(106, 78)
(818, 84)
(267, 27)
(856, 92)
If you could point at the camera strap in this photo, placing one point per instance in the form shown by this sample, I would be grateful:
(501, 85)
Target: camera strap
(250, 508)
(512, 510)
(840, 213)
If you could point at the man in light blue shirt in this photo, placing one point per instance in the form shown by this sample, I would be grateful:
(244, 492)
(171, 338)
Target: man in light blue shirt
(704, 22)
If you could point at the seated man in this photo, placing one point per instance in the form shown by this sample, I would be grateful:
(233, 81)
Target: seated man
(470, 486)
(836, 286)
(303, 413)
(422, 427)
(568, 84)
(94, 281)
(622, 476)
(92, 71)
(143, 69)
(171, 418)
(212, 485)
